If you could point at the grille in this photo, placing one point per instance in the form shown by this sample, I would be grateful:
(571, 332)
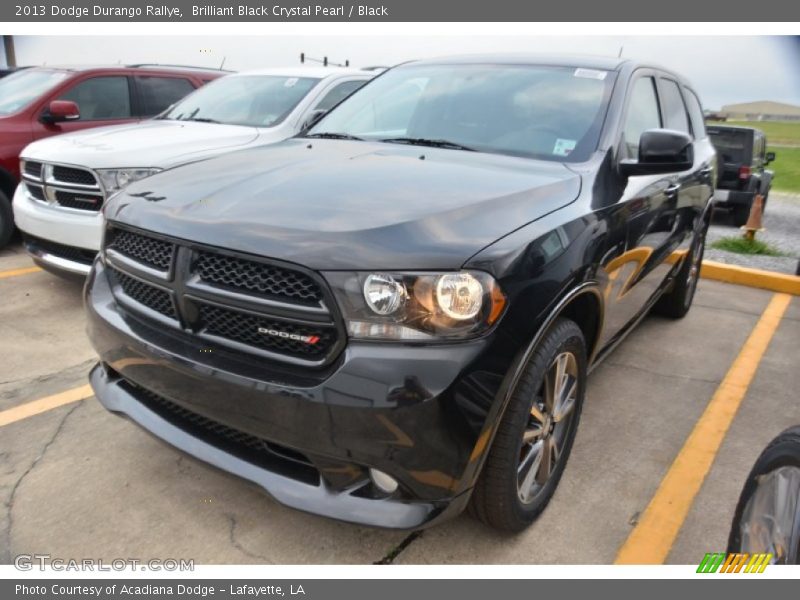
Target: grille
(269, 455)
(72, 253)
(150, 251)
(79, 200)
(244, 328)
(257, 278)
(34, 169)
(70, 175)
(36, 191)
(145, 294)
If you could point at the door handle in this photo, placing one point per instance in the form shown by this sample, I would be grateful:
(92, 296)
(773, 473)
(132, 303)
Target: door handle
(672, 191)
(705, 172)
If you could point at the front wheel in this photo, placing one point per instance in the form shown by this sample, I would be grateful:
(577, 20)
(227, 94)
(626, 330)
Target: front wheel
(536, 433)
(6, 220)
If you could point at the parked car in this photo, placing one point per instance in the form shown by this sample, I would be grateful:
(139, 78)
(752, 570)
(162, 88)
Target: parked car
(40, 102)
(67, 179)
(393, 315)
(767, 518)
(742, 156)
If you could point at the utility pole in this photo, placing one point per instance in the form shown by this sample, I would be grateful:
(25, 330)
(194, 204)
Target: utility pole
(11, 56)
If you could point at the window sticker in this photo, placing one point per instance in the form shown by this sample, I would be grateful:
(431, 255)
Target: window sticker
(291, 82)
(590, 74)
(564, 147)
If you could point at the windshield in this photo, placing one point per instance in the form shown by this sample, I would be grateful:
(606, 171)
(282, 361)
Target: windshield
(19, 89)
(254, 100)
(552, 113)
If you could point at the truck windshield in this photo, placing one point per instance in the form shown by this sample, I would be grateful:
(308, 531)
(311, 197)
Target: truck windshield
(730, 144)
(550, 113)
(252, 100)
(19, 89)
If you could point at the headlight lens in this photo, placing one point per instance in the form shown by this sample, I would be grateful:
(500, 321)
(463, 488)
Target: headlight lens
(115, 180)
(417, 306)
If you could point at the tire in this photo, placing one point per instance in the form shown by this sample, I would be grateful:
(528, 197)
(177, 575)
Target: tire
(497, 499)
(780, 461)
(740, 215)
(677, 302)
(6, 220)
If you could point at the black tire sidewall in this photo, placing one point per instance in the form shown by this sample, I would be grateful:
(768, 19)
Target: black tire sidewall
(783, 451)
(6, 220)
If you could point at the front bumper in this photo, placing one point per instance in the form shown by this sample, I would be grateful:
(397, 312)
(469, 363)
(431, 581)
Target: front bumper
(75, 230)
(415, 412)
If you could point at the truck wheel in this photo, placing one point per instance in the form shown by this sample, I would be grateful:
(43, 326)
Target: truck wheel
(740, 215)
(6, 220)
(536, 433)
(677, 302)
(767, 517)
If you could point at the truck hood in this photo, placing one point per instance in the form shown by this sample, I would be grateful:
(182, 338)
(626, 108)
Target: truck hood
(152, 143)
(333, 204)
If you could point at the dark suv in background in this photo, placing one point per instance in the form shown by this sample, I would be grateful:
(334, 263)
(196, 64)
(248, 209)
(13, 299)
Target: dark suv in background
(392, 316)
(741, 158)
(39, 102)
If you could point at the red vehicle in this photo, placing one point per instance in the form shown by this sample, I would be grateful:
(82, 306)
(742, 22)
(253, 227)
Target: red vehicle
(43, 101)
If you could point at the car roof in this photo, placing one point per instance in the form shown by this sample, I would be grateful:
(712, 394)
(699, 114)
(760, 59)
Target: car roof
(138, 67)
(556, 60)
(303, 71)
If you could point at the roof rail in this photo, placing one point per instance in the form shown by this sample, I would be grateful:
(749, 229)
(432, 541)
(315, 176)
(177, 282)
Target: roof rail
(169, 66)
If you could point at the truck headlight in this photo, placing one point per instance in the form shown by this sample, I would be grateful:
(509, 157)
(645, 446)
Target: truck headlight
(115, 180)
(417, 306)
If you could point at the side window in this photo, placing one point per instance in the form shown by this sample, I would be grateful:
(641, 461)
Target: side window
(696, 114)
(101, 98)
(157, 93)
(643, 114)
(675, 116)
(337, 94)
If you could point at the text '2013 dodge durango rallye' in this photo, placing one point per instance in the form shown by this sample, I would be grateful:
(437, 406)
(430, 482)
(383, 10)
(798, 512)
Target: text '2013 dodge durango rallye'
(391, 316)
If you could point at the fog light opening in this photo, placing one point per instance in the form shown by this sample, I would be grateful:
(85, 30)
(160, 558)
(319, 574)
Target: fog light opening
(385, 483)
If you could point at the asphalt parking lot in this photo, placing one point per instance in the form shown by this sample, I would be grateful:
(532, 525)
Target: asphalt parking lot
(79, 482)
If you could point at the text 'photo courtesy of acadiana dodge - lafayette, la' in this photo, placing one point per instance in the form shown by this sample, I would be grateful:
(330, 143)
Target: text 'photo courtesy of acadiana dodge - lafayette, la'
(188, 589)
(205, 10)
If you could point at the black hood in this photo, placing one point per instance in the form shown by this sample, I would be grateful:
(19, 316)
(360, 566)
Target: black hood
(331, 204)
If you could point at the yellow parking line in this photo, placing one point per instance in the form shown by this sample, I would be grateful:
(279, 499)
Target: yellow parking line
(35, 407)
(653, 537)
(15, 272)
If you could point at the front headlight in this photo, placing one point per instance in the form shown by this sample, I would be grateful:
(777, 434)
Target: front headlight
(115, 180)
(417, 306)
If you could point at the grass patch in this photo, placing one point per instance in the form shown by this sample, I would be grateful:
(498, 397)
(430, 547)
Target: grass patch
(740, 245)
(787, 169)
(777, 132)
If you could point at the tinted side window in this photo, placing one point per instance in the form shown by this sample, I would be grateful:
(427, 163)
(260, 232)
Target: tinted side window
(643, 113)
(101, 98)
(157, 93)
(696, 114)
(337, 94)
(674, 109)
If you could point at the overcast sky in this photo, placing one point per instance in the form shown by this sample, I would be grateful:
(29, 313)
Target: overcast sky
(723, 69)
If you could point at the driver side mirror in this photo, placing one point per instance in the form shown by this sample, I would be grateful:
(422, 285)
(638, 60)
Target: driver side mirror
(61, 110)
(660, 151)
(314, 118)
(769, 157)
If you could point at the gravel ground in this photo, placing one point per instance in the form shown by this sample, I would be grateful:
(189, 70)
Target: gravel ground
(782, 230)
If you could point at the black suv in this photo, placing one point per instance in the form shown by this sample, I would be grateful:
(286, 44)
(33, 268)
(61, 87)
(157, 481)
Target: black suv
(392, 315)
(741, 155)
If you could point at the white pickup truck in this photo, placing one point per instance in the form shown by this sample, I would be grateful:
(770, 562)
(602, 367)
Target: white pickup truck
(66, 179)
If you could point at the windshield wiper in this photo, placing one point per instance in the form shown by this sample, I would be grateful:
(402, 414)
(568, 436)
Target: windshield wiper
(200, 120)
(334, 136)
(426, 142)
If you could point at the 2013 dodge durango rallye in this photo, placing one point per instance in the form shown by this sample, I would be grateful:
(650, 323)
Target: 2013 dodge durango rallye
(391, 317)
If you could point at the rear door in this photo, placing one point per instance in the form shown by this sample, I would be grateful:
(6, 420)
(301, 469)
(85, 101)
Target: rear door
(155, 93)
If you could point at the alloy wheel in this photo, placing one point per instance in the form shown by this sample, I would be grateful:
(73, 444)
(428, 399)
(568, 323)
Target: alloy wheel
(549, 423)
